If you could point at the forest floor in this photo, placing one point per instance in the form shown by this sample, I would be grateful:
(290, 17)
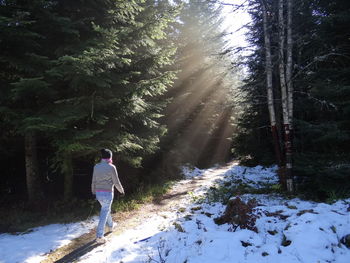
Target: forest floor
(180, 226)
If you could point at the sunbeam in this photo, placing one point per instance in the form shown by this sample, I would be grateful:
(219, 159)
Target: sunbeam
(199, 118)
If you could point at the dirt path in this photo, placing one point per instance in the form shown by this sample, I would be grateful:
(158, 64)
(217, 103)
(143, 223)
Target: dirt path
(128, 220)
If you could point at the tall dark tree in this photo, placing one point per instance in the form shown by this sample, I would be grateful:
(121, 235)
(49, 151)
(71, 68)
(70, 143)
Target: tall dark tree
(320, 52)
(322, 128)
(25, 91)
(86, 76)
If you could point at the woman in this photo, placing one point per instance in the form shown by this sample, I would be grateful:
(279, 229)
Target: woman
(104, 178)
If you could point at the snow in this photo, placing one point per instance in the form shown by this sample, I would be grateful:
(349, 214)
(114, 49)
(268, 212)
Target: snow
(31, 247)
(190, 173)
(289, 230)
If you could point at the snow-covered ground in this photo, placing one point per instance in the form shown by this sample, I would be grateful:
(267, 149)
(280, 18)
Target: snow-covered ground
(289, 230)
(31, 247)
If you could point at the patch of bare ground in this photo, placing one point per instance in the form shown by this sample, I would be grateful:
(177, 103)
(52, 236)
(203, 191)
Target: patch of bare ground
(128, 220)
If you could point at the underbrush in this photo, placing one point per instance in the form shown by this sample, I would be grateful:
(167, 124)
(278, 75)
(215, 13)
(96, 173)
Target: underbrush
(22, 217)
(323, 182)
(141, 196)
(224, 192)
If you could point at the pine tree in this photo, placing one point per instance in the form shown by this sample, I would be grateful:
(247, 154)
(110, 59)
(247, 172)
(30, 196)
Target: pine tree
(87, 75)
(255, 140)
(114, 82)
(320, 124)
(199, 116)
(322, 118)
(25, 91)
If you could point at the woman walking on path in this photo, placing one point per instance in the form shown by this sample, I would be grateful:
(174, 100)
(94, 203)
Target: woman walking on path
(104, 178)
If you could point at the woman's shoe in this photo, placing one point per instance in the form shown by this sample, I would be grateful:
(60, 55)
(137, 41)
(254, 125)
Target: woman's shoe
(101, 240)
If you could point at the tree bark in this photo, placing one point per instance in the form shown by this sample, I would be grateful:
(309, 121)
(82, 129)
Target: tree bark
(269, 87)
(33, 181)
(283, 68)
(289, 67)
(281, 63)
(67, 169)
(290, 90)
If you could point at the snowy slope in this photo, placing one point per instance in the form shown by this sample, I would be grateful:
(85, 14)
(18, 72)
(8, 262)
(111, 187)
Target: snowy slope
(288, 231)
(31, 247)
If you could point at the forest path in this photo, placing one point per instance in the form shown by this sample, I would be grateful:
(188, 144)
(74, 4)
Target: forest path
(128, 220)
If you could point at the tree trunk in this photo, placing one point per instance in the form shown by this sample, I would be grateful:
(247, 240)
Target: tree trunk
(281, 64)
(289, 67)
(269, 88)
(33, 181)
(284, 95)
(67, 169)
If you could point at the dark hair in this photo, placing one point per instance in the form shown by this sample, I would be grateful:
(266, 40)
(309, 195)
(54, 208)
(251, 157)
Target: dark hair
(106, 154)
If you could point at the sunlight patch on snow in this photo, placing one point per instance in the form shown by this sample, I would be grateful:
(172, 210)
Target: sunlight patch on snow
(190, 173)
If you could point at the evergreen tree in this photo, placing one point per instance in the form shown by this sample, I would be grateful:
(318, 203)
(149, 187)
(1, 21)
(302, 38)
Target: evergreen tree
(253, 142)
(87, 75)
(25, 57)
(114, 82)
(323, 135)
(199, 116)
(321, 73)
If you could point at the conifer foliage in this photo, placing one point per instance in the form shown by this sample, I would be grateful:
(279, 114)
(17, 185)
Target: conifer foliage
(80, 75)
(320, 81)
(199, 115)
